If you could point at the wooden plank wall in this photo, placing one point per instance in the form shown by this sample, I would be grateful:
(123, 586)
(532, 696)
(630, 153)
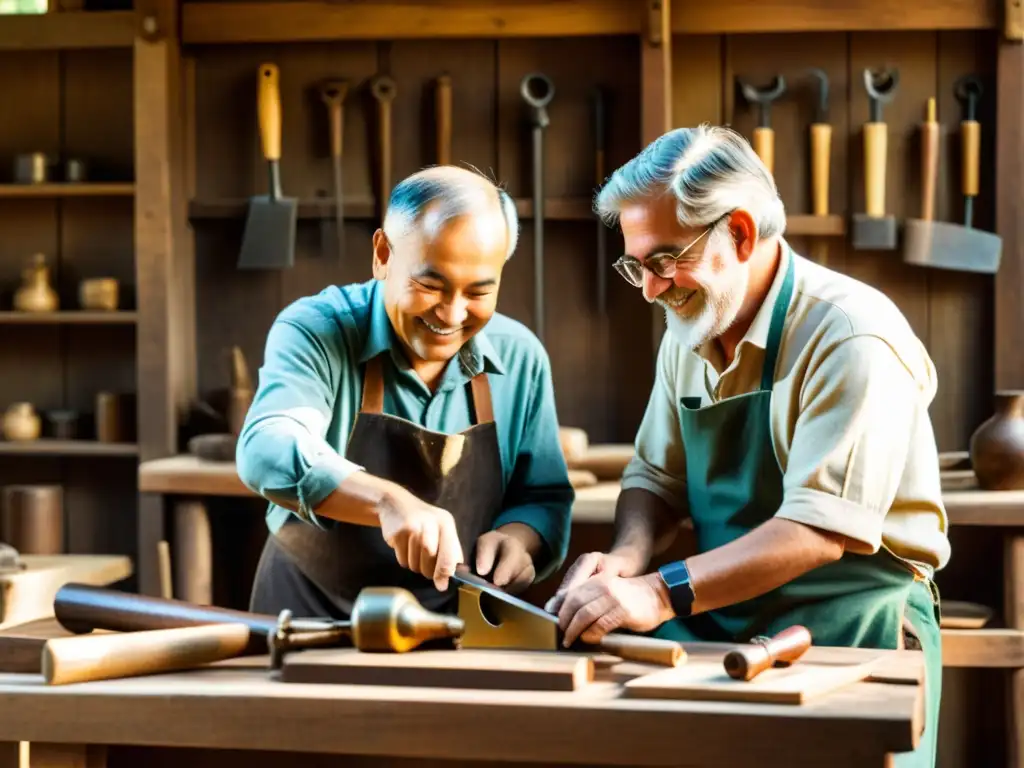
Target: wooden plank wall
(602, 394)
(950, 311)
(76, 103)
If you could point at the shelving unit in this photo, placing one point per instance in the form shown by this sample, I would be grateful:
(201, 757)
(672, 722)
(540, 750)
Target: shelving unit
(67, 189)
(51, 447)
(70, 317)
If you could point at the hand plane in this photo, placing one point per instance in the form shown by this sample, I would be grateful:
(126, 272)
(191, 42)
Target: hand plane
(493, 618)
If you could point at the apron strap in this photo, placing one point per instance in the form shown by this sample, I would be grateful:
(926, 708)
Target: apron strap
(373, 392)
(771, 354)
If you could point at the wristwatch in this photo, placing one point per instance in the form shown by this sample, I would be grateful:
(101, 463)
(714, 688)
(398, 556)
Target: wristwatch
(680, 591)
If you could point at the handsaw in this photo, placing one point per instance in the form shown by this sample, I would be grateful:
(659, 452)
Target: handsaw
(496, 619)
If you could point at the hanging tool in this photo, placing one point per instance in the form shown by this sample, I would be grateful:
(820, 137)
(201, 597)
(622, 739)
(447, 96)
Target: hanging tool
(602, 240)
(821, 154)
(764, 136)
(873, 229)
(333, 93)
(384, 619)
(537, 91)
(269, 239)
(945, 245)
(384, 89)
(747, 662)
(443, 108)
(495, 619)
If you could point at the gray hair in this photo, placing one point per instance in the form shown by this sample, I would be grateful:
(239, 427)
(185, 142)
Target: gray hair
(447, 192)
(710, 170)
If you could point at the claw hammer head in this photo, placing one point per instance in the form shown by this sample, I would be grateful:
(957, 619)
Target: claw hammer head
(821, 105)
(763, 97)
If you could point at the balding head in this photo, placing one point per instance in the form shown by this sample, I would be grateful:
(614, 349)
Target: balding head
(446, 237)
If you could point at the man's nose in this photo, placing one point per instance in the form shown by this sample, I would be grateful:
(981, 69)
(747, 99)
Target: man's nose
(654, 286)
(453, 312)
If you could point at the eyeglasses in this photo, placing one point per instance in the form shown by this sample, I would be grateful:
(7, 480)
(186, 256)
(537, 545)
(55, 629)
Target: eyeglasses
(661, 264)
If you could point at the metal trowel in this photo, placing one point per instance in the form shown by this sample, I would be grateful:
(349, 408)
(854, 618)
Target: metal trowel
(495, 619)
(269, 239)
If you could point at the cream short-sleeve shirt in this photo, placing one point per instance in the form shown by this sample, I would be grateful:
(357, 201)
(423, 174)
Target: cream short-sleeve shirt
(849, 416)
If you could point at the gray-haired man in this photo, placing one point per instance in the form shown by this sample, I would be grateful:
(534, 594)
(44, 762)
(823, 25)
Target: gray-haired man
(396, 438)
(788, 421)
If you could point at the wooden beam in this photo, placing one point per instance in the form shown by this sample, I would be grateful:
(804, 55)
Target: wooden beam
(738, 16)
(62, 31)
(1009, 309)
(656, 99)
(241, 22)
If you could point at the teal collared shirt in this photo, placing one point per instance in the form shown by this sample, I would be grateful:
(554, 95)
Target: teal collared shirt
(310, 390)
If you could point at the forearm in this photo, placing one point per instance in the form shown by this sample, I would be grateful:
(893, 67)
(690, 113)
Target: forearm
(645, 525)
(771, 555)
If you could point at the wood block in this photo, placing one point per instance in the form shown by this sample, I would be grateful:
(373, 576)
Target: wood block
(707, 680)
(488, 669)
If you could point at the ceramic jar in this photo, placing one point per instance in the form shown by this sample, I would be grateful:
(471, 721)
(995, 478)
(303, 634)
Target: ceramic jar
(35, 293)
(997, 446)
(21, 422)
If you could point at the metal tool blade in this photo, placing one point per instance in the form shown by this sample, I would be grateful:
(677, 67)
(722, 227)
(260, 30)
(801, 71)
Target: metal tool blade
(269, 240)
(495, 619)
(942, 245)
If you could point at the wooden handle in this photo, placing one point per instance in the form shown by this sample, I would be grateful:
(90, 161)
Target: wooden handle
(875, 151)
(105, 657)
(383, 89)
(333, 94)
(821, 154)
(764, 146)
(444, 120)
(970, 135)
(651, 650)
(929, 162)
(786, 647)
(268, 98)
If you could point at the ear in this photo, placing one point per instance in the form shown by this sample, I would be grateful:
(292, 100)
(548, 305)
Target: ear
(381, 255)
(743, 229)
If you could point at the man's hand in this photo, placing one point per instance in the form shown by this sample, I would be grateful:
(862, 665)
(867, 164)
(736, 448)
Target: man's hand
(588, 565)
(507, 551)
(423, 536)
(605, 602)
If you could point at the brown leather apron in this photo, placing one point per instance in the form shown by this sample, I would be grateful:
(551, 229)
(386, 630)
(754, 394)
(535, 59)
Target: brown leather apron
(322, 571)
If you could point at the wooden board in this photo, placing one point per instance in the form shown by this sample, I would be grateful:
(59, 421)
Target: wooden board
(21, 646)
(487, 669)
(707, 680)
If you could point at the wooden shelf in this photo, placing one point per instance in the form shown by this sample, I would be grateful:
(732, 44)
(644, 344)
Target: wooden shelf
(49, 447)
(65, 31)
(64, 189)
(555, 209)
(822, 226)
(69, 317)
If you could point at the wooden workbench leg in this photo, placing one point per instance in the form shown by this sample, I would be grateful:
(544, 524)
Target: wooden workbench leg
(22, 754)
(150, 533)
(192, 558)
(1013, 609)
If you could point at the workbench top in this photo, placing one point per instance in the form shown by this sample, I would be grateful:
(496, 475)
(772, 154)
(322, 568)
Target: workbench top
(237, 705)
(187, 475)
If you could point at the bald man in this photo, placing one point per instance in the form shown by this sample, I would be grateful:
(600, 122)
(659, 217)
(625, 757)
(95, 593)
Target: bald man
(402, 426)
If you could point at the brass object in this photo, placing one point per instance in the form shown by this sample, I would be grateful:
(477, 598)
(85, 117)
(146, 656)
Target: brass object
(384, 619)
(783, 649)
(32, 518)
(241, 392)
(98, 293)
(33, 168)
(21, 422)
(35, 293)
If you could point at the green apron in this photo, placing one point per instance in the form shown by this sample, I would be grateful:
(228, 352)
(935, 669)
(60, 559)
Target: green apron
(734, 484)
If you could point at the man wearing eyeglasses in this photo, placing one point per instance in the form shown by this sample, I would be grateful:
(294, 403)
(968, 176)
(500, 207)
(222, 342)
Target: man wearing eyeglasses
(402, 426)
(788, 423)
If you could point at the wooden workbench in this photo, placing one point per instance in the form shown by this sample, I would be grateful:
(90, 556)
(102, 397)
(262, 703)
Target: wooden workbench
(237, 706)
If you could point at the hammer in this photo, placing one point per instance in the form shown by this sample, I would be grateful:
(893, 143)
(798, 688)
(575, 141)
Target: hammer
(873, 229)
(537, 91)
(764, 136)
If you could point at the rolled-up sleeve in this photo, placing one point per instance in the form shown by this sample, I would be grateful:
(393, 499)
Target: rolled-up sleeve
(857, 412)
(659, 461)
(282, 453)
(539, 493)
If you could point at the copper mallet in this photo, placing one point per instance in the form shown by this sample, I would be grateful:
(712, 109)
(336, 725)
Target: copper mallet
(763, 653)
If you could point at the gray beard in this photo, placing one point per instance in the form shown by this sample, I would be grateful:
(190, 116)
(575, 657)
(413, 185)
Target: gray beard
(716, 316)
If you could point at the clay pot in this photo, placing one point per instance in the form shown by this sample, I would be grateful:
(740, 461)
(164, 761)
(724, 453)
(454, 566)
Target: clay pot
(21, 422)
(997, 446)
(35, 293)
